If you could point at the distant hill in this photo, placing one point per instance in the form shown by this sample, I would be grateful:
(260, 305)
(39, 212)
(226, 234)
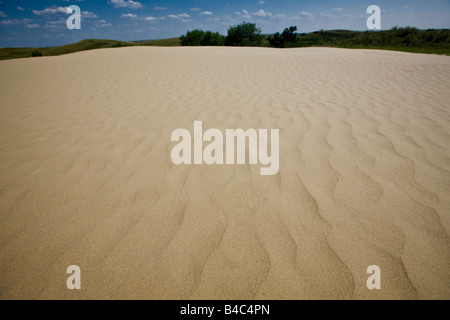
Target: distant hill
(89, 44)
(400, 39)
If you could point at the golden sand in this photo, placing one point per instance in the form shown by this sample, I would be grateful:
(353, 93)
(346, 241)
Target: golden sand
(87, 178)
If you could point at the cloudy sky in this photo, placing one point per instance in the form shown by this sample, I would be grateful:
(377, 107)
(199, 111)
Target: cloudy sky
(43, 23)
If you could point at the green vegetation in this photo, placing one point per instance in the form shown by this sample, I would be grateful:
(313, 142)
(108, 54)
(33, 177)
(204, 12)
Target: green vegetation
(401, 39)
(202, 38)
(244, 34)
(247, 34)
(287, 39)
(171, 42)
(36, 53)
(89, 44)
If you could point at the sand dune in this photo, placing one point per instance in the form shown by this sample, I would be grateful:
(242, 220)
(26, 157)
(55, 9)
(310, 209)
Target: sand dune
(87, 178)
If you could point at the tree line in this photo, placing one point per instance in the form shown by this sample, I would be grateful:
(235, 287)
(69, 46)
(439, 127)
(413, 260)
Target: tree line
(244, 34)
(248, 34)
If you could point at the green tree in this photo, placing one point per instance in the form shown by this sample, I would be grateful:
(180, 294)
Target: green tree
(213, 39)
(202, 38)
(276, 41)
(289, 34)
(287, 39)
(193, 38)
(244, 34)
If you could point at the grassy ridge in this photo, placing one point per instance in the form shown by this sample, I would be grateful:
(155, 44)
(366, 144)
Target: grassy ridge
(89, 44)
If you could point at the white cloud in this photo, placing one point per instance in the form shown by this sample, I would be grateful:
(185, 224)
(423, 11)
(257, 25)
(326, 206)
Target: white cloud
(206, 13)
(126, 4)
(261, 13)
(195, 9)
(102, 23)
(2, 14)
(32, 26)
(226, 19)
(10, 22)
(150, 18)
(280, 16)
(129, 15)
(338, 9)
(160, 8)
(179, 16)
(51, 26)
(306, 13)
(183, 17)
(243, 13)
(50, 10)
(327, 15)
(261, 2)
(58, 21)
(20, 9)
(88, 14)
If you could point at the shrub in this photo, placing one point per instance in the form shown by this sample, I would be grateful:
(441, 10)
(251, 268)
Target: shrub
(36, 53)
(213, 39)
(118, 45)
(287, 39)
(202, 38)
(244, 34)
(289, 34)
(276, 41)
(193, 38)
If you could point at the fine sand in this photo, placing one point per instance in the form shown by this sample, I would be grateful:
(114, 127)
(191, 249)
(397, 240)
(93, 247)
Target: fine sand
(86, 176)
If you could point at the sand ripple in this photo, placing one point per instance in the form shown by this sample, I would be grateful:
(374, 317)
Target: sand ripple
(87, 179)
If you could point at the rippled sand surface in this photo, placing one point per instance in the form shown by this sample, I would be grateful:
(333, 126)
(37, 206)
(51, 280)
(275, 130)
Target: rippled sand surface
(86, 176)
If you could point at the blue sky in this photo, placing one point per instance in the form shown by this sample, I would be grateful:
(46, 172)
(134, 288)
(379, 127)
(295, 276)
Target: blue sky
(43, 23)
